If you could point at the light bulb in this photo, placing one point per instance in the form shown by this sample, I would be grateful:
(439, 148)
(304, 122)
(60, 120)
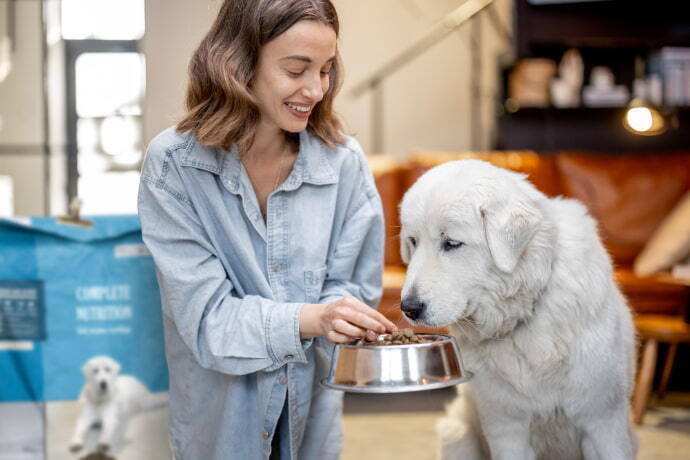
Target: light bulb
(639, 118)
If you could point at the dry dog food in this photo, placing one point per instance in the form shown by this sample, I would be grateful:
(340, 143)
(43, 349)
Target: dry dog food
(97, 456)
(403, 337)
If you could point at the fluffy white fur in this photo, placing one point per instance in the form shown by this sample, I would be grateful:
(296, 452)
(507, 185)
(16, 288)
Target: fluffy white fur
(107, 400)
(530, 297)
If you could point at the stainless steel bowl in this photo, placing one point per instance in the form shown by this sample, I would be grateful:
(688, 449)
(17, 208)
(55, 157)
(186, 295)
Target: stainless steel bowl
(362, 368)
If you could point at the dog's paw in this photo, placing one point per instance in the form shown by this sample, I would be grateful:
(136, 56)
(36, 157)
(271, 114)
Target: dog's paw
(103, 447)
(75, 447)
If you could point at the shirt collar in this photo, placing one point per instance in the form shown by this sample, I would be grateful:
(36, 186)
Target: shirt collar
(311, 166)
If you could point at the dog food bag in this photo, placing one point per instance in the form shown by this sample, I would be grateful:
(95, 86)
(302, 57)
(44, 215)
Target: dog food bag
(80, 324)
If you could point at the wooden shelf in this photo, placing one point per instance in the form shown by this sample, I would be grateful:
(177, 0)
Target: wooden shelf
(595, 129)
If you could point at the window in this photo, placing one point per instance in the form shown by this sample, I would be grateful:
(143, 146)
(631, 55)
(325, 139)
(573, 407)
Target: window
(105, 78)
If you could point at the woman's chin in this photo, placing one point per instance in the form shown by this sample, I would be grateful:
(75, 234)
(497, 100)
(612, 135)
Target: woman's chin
(295, 127)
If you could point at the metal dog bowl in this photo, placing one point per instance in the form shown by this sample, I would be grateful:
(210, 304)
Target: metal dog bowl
(362, 368)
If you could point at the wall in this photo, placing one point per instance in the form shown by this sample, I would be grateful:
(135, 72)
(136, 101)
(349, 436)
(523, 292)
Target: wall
(427, 103)
(173, 30)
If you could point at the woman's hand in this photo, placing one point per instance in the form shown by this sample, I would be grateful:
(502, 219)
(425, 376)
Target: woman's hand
(343, 321)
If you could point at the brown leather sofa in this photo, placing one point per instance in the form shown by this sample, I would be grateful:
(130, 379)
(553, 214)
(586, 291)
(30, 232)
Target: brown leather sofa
(628, 194)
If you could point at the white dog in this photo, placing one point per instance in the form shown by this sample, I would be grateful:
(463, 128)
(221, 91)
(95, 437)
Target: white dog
(107, 400)
(526, 287)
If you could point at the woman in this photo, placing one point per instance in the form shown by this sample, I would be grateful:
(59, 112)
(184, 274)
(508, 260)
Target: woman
(267, 234)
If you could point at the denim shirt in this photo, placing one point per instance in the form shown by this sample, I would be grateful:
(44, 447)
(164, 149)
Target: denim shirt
(232, 287)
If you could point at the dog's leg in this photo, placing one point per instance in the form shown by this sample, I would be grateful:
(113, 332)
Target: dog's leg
(84, 422)
(508, 436)
(510, 442)
(458, 432)
(111, 420)
(463, 444)
(609, 437)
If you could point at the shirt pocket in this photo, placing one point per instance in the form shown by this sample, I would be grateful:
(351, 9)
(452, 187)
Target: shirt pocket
(313, 283)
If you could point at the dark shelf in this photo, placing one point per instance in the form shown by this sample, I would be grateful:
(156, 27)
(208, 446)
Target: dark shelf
(595, 129)
(545, 30)
(611, 33)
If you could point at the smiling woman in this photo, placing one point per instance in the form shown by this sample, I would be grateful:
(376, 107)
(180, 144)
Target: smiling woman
(266, 229)
(222, 107)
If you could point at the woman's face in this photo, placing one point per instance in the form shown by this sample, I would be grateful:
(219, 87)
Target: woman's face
(293, 75)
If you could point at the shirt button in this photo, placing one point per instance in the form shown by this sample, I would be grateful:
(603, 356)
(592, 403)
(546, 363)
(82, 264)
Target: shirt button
(289, 356)
(283, 380)
(276, 268)
(265, 434)
(231, 182)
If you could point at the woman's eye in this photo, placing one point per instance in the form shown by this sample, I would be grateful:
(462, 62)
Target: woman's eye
(413, 241)
(295, 74)
(326, 71)
(449, 245)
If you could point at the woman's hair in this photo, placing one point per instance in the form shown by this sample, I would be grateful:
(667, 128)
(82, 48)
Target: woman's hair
(221, 109)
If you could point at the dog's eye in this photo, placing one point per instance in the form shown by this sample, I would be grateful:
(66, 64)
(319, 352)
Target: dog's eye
(413, 241)
(107, 369)
(449, 245)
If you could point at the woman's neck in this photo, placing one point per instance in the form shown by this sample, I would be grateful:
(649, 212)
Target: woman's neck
(270, 143)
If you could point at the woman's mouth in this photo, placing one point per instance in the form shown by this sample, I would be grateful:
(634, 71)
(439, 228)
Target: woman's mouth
(298, 110)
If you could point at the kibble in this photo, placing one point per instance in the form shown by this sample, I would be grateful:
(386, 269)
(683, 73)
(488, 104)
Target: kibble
(97, 456)
(403, 337)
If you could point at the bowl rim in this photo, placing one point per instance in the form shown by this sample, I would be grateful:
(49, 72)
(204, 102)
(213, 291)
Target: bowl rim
(466, 377)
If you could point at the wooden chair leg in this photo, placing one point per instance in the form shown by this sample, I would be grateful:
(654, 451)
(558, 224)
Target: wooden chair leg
(645, 377)
(668, 365)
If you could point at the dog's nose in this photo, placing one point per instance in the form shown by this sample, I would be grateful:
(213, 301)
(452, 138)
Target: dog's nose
(412, 307)
(104, 385)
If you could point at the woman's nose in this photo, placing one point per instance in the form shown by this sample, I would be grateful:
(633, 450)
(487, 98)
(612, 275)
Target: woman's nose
(314, 88)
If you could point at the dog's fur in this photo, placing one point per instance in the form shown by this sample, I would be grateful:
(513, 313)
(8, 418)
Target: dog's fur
(107, 400)
(531, 299)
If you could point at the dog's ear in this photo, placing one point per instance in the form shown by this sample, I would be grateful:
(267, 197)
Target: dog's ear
(509, 227)
(86, 368)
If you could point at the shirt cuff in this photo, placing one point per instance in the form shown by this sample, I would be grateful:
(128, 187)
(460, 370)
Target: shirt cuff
(282, 332)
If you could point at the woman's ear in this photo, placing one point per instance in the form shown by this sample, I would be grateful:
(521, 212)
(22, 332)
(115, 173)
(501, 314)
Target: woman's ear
(509, 227)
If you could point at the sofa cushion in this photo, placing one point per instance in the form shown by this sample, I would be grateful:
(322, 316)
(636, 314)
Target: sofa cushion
(669, 244)
(388, 174)
(629, 195)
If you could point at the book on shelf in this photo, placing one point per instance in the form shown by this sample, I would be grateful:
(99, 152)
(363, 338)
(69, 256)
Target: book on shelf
(672, 64)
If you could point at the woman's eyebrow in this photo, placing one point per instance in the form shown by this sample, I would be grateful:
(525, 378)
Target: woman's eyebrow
(304, 59)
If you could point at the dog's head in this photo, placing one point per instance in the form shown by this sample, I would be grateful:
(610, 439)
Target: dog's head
(469, 238)
(100, 374)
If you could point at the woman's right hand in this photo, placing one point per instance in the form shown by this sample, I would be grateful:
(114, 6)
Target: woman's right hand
(343, 321)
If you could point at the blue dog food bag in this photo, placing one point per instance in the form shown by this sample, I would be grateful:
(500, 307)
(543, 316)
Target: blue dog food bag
(80, 326)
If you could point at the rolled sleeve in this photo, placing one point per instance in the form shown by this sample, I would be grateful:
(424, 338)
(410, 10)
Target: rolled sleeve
(282, 333)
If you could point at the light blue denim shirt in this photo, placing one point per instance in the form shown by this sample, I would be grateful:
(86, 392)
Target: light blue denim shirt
(232, 287)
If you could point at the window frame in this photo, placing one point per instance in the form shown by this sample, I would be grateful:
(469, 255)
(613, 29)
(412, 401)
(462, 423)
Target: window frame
(74, 49)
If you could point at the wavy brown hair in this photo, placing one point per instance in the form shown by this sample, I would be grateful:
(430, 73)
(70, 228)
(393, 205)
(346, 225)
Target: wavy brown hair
(221, 109)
